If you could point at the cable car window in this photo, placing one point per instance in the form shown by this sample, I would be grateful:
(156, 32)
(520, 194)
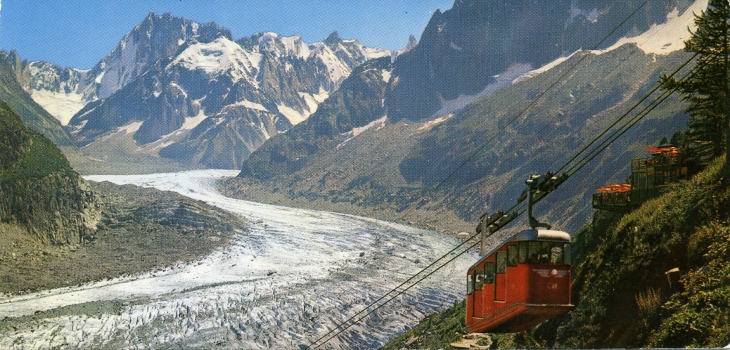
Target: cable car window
(501, 261)
(556, 254)
(545, 252)
(470, 283)
(478, 279)
(512, 255)
(489, 273)
(534, 252)
(566, 254)
(523, 252)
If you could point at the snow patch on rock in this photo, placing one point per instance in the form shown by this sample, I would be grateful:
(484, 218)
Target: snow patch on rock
(378, 124)
(61, 105)
(504, 79)
(313, 100)
(295, 117)
(220, 57)
(667, 37)
(433, 122)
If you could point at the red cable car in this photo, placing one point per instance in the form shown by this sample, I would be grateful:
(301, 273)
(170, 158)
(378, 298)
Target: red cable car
(525, 280)
(521, 283)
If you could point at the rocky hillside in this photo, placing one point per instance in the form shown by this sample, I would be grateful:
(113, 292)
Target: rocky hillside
(474, 154)
(38, 189)
(622, 290)
(390, 167)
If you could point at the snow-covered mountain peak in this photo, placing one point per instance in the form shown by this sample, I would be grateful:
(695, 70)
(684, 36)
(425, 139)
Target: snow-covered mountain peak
(168, 72)
(63, 92)
(156, 37)
(333, 39)
(187, 30)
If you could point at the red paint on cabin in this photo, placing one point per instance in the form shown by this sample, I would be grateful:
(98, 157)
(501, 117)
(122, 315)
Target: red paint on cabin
(520, 284)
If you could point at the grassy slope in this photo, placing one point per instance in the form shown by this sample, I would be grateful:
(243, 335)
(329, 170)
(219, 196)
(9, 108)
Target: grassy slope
(38, 188)
(622, 295)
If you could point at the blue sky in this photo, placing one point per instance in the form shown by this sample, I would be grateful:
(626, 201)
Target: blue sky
(78, 33)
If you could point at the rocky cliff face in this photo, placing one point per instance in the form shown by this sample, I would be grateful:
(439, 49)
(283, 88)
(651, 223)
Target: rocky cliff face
(464, 49)
(38, 189)
(357, 103)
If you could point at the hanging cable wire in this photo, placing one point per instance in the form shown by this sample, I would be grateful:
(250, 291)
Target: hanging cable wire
(623, 116)
(628, 125)
(397, 291)
(400, 289)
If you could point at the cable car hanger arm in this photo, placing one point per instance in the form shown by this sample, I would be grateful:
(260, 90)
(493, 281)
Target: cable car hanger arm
(538, 186)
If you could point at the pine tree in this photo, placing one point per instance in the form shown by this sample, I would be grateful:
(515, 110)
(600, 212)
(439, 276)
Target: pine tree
(708, 89)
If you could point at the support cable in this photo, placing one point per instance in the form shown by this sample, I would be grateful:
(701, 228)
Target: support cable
(512, 213)
(550, 183)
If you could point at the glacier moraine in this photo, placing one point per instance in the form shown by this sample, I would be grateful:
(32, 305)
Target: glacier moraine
(289, 280)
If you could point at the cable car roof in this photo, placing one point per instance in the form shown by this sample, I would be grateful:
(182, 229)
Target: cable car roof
(541, 235)
(665, 149)
(615, 188)
(529, 235)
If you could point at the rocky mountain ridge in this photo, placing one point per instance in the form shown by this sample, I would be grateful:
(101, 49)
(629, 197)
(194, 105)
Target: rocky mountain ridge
(466, 48)
(64, 91)
(200, 97)
(33, 115)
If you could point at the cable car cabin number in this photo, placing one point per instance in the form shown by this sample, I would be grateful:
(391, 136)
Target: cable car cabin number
(521, 283)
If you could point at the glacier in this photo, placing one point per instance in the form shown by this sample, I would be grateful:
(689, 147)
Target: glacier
(290, 279)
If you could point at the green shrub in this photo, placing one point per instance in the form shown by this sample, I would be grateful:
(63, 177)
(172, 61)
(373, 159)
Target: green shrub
(699, 316)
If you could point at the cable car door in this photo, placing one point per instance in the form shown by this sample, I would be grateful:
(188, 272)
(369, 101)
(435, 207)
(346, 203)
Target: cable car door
(499, 281)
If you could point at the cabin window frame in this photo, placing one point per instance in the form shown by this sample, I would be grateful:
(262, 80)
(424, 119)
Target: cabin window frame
(512, 255)
(546, 249)
(557, 254)
(501, 261)
(470, 283)
(489, 275)
(523, 252)
(479, 279)
(533, 251)
(541, 252)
